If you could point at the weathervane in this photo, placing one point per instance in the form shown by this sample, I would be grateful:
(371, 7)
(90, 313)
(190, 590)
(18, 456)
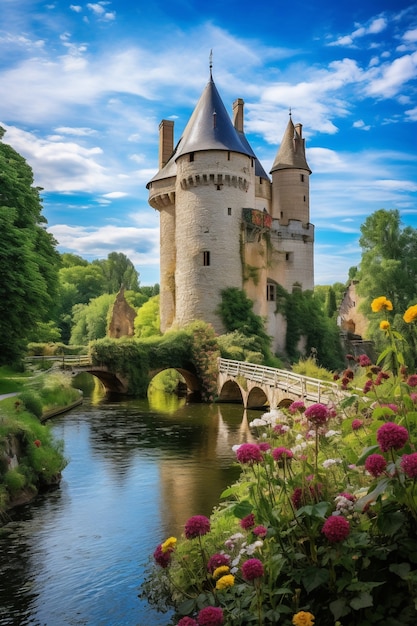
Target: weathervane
(211, 62)
(290, 111)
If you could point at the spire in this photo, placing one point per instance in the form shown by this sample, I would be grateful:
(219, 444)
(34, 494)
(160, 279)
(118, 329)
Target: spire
(210, 127)
(291, 153)
(211, 64)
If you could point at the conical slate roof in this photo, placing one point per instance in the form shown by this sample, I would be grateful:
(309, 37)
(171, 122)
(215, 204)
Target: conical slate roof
(291, 153)
(209, 128)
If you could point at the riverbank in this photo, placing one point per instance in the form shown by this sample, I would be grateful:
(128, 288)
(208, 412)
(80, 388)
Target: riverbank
(31, 461)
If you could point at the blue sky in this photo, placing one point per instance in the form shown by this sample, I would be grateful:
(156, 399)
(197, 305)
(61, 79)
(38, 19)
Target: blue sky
(85, 85)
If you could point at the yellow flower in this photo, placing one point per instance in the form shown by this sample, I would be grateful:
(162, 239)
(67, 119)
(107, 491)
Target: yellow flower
(225, 581)
(411, 314)
(219, 571)
(169, 544)
(384, 325)
(381, 304)
(303, 618)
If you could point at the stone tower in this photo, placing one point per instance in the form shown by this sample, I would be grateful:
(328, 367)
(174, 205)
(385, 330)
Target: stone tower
(223, 223)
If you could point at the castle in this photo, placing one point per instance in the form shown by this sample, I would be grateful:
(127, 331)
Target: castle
(225, 223)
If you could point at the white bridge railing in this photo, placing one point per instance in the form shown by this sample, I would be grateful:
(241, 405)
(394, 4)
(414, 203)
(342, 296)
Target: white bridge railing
(304, 387)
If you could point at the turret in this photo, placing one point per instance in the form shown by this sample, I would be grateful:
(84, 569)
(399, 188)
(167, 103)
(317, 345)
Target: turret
(290, 178)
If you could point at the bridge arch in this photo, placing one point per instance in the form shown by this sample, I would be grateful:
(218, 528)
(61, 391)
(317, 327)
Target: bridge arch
(191, 379)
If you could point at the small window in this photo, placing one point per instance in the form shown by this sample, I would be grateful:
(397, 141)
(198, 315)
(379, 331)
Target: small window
(206, 258)
(229, 210)
(302, 177)
(289, 256)
(228, 155)
(191, 156)
(270, 292)
(304, 198)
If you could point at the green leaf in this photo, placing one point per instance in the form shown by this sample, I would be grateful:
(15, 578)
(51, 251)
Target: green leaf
(369, 450)
(339, 608)
(242, 509)
(362, 601)
(401, 569)
(187, 607)
(313, 577)
(389, 522)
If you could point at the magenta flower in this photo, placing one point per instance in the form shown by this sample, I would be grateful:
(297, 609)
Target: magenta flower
(217, 560)
(357, 424)
(348, 496)
(318, 414)
(336, 528)
(260, 531)
(210, 616)
(252, 568)
(264, 446)
(248, 522)
(249, 453)
(409, 465)
(197, 526)
(368, 386)
(364, 360)
(375, 464)
(280, 454)
(297, 407)
(279, 428)
(162, 558)
(391, 436)
(412, 380)
(187, 621)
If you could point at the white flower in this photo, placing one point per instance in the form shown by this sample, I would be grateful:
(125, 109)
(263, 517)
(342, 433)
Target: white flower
(257, 423)
(332, 433)
(329, 462)
(236, 447)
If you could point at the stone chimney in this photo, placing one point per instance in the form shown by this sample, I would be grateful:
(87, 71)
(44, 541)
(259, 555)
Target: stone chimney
(238, 114)
(166, 141)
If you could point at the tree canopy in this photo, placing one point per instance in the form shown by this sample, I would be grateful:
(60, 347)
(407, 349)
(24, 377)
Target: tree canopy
(28, 257)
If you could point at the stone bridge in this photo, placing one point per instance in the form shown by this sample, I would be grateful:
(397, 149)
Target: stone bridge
(257, 385)
(238, 382)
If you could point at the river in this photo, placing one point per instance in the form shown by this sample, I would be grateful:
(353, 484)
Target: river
(137, 470)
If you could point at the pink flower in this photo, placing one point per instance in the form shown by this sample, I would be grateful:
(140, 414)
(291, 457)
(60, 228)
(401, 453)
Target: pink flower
(368, 386)
(413, 397)
(375, 464)
(187, 621)
(264, 446)
(260, 531)
(409, 464)
(197, 526)
(248, 522)
(364, 360)
(280, 454)
(249, 453)
(210, 616)
(280, 429)
(162, 558)
(348, 496)
(391, 436)
(357, 424)
(336, 528)
(317, 413)
(297, 407)
(217, 560)
(412, 380)
(252, 568)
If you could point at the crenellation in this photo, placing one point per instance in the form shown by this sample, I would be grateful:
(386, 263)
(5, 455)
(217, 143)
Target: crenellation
(225, 223)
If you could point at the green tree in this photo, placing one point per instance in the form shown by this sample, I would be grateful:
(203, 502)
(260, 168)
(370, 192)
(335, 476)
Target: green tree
(147, 321)
(28, 256)
(118, 271)
(90, 321)
(389, 260)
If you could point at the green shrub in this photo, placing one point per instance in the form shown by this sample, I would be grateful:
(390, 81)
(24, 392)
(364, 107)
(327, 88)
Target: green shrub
(32, 402)
(14, 481)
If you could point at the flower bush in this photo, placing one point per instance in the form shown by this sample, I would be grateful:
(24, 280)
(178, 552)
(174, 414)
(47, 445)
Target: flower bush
(321, 527)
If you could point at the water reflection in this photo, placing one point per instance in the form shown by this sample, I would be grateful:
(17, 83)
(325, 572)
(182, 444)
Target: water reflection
(136, 473)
